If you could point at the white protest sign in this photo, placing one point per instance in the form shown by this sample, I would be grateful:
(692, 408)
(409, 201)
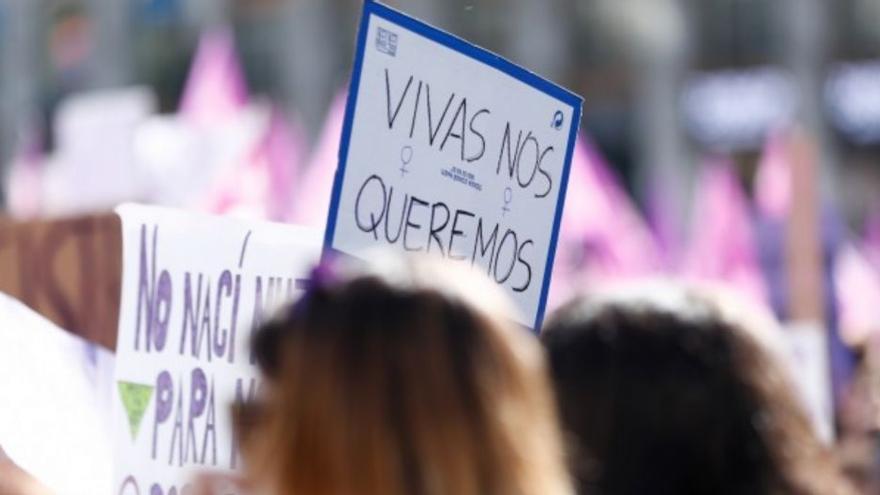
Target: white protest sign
(55, 403)
(452, 150)
(193, 288)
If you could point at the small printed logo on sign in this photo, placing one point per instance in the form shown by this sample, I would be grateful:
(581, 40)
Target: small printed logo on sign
(386, 42)
(558, 120)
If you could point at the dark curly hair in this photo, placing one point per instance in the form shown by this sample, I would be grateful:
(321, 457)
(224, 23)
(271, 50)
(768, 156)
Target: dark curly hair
(678, 401)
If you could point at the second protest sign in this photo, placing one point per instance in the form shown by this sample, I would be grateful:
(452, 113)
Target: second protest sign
(194, 287)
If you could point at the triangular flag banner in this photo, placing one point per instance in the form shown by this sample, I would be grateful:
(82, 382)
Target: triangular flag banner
(282, 149)
(25, 181)
(773, 179)
(312, 200)
(857, 289)
(135, 399)
(872, 234)
(215, 88)
(665, 221)
(260, 185)
(603, 235)
(722, 246)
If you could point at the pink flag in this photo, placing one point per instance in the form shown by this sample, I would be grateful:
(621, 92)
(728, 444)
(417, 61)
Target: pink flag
(603, 235)
(872, 234)
(215, 88)
(283, 150)
(722, 246)
(857, 289)
(773, 179)
(665, 221)
(261, 186)
(24, 182)
(312, 199)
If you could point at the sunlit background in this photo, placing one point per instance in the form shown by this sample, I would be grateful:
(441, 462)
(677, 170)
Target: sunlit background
(665, 81)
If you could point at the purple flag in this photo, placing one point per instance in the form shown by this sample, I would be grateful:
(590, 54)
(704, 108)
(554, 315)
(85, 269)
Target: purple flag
(857, 291)
(603, 235)
(722, 244)
(282, 150)
(872, 234)
(215, 88)
(773, 179)
(261, 185)
(666, 222)
(312, 198)
(24, 183)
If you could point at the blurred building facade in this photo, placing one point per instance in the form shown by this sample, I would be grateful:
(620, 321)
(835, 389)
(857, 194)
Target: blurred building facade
(666, 82)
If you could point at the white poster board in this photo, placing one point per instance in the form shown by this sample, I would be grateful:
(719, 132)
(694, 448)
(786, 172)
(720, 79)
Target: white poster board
(55, 403)
(193, 287)
(452, 150)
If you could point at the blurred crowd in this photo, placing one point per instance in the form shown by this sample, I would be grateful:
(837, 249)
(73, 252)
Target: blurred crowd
(406, 376)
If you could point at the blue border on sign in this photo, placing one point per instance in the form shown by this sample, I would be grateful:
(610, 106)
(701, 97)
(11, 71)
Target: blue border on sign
(452, 42)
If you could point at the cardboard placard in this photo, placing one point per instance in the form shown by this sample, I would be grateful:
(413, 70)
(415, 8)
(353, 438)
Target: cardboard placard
(450, 149)
(68, 270)
(194, 286)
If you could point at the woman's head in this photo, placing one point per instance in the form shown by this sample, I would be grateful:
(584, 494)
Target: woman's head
(663, 392)
(402, 380)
